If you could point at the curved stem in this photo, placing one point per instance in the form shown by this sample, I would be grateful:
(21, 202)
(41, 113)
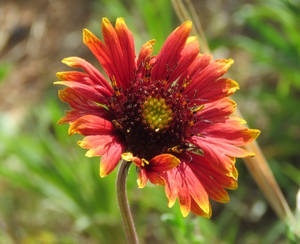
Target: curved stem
(128, 223)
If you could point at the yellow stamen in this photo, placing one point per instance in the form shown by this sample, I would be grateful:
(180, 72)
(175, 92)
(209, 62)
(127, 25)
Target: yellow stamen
(156, 113)
(144, 161)
(128, 156)
(175, 149)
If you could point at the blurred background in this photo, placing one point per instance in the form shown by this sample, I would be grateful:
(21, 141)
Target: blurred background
(50, 193)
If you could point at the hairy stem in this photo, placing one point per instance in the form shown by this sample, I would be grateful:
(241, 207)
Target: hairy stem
(128, 223)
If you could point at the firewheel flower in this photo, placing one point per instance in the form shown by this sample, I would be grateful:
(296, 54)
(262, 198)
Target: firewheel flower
(168, 114)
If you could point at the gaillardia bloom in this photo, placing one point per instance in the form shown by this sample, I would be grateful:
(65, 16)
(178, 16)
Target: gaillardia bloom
(169, 114)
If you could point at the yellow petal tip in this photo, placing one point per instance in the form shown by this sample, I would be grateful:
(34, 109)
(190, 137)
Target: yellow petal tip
(254, 133)
(102, 172)
(120, 20)
(188, 24)
(184, 211)
(60, 75)
(191, 39)
(89, 153)
(88, 36)
(58, 82)
(139, 183)
(171, 203)
(105, 21)
(69, 62)
(152, 42)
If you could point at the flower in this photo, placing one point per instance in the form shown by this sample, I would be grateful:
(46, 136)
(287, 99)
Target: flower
(169, 114)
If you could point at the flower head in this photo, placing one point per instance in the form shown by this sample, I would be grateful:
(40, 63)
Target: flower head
(169, 114)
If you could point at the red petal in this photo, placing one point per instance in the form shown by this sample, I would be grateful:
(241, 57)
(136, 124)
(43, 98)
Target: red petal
(168, 57)
(182, 182)
(231, 131)
(184, 198)
(145, 53)
(91, 125)
(175, 186)
(216, 111)
(191, 73)
(225, 178)
(196, 189)
(81, 105)
(212, 187)
(86, 91)
(163, 162)
(155, 178)
(127, 45)
(209, 74)
(188, 55)
(142, 179)
(94, 74)
(97, 144)
(75, 76)
(198, 211)
(218, 146)
(111, 158)
(215, 155)
(171, 188)
(115, 53)
(216, 90)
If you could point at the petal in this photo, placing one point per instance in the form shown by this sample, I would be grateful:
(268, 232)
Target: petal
(94, 74)
(181, 182)
(217, 154)
(216, 90)
(216, 111)
(115, 53)
(127, 46)
(91, 125)
(142, 179)
(163, 162)
(86, 91)
(202, 164)
(231, 131)
(195, 188)
(75, 76)
(184, 199)
(210, 73)
(168, 57)
(81, 105)
(97, 145)
(155, 178)
(218, 145)
(211, 186)
(188, 55)
(145, 53)
(176, 186)
(191, 73)
(111, 158)
(198, 211)
(171, 188)
(100, 51)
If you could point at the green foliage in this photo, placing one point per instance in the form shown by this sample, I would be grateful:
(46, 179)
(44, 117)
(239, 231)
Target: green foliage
(275, 25)
(4, 70)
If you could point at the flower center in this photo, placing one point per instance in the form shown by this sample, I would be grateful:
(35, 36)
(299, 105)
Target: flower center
(156, 113)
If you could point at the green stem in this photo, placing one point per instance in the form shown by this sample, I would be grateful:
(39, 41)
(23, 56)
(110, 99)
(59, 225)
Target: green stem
(128, 223)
